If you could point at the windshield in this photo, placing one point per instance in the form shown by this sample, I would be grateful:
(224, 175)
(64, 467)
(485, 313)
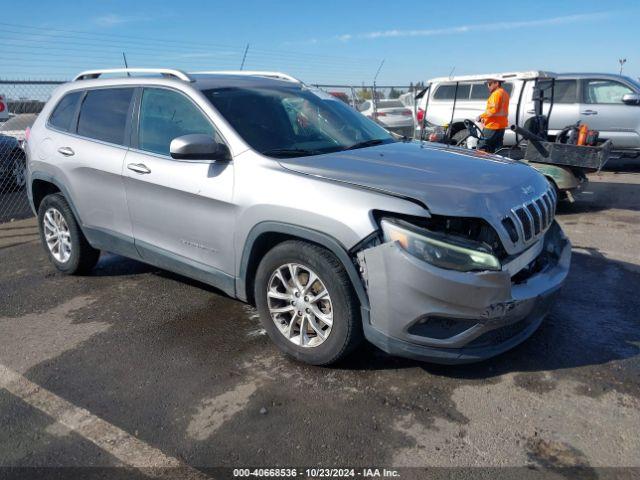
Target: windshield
(292, 121)
(635, 82)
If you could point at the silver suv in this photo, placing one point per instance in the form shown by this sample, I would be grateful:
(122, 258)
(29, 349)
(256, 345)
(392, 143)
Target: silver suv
(286, 198)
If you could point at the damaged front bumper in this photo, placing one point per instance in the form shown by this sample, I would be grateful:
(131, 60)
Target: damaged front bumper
(444, 316)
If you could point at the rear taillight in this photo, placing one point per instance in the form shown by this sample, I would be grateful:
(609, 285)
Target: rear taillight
(380, 114)
(420, 115)
(27, 134)
(2, 106)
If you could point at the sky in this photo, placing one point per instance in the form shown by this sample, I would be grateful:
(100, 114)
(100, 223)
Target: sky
(325, 42)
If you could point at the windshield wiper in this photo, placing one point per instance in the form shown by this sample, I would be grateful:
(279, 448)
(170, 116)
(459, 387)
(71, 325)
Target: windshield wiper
(366, 143)
(289, 152)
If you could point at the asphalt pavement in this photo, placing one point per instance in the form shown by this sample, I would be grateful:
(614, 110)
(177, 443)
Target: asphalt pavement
(132, 366)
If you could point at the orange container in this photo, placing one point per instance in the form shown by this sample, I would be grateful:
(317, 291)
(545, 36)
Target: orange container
(582, 134)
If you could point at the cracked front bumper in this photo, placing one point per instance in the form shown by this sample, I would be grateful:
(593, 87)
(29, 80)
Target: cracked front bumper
(444, 316)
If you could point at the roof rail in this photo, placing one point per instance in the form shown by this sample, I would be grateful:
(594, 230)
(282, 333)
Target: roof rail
(252, 73)
(165, 72)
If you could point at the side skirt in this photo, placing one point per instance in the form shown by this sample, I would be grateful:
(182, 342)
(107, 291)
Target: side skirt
(147, 253)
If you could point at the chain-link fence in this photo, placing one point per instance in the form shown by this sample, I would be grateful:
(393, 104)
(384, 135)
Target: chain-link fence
(20, 103)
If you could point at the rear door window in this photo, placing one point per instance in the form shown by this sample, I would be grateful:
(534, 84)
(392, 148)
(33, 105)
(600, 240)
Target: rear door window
(65, 111)
(103, 115)
(165, 115)
(480, 91)
(448, 92)
(564, 91)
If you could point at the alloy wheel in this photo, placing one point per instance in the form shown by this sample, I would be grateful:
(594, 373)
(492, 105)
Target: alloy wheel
(57, 235)
(300, 305)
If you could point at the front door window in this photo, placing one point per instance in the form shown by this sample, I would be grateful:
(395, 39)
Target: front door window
(605, 92)
(165, 115)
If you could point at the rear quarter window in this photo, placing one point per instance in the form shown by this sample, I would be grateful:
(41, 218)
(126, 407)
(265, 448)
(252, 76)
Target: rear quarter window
(480, 91)
(448, 92)
(64, 113)
(103, 115)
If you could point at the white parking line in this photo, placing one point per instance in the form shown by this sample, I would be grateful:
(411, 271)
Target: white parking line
(130, 450)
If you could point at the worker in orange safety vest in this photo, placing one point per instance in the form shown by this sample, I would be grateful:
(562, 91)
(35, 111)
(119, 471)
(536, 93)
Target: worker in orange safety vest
(495, 118)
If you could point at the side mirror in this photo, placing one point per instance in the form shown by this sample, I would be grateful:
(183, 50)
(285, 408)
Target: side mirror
(198, 146)
(631, 99)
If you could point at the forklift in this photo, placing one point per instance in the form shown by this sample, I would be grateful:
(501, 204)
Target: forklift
(565, 161)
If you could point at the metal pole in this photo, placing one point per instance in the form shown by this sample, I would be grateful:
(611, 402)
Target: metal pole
(126, 65)
(414, 89)
(373, 93)
(622, 61)
(453, 111)
(375, 77)
(426, 109)
(244, 57)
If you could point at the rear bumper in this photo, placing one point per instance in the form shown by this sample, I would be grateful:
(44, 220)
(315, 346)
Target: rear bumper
(442, 316)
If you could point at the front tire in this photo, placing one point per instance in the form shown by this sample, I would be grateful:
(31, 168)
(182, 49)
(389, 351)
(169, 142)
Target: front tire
(460, 135)
(307, 304)
(64, 242)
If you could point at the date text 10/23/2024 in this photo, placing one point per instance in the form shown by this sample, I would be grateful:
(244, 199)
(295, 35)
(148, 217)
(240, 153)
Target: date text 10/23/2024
(316, 472)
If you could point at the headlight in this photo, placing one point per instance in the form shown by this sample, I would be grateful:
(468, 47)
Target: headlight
(423, 245)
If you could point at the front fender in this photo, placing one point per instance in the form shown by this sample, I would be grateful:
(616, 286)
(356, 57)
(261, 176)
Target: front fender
(303, 233)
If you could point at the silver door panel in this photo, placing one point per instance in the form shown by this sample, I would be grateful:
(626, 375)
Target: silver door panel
(183, 207)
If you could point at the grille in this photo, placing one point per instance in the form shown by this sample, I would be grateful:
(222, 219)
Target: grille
(531, 219)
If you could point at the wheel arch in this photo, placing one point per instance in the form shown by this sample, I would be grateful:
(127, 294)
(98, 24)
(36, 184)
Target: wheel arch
(42, 185)
(40, 189)
(266, 235)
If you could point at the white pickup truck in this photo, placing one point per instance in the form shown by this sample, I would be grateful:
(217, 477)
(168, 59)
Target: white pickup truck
(607, 103)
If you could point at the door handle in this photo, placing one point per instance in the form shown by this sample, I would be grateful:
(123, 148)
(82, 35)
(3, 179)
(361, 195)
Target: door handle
(589, 112)
(138, 168)
(66, 151)
(531, 112)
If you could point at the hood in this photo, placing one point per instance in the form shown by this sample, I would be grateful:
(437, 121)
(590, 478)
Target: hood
(447, 180)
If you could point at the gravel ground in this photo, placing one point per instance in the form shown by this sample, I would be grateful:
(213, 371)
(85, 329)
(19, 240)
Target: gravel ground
(186, 376)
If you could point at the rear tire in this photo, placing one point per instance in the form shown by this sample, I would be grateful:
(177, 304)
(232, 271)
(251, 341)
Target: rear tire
(64, 242)
(340, 303)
